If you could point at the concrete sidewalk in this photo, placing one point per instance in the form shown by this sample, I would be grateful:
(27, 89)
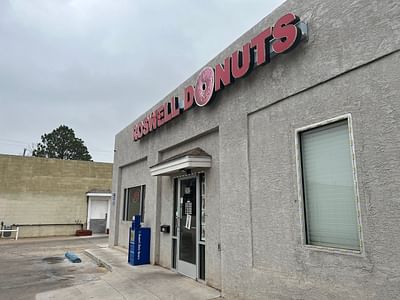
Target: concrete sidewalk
(133, 282)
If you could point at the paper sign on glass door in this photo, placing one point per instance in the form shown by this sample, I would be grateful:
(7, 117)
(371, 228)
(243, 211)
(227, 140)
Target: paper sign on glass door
(188, 208)
(188, 224)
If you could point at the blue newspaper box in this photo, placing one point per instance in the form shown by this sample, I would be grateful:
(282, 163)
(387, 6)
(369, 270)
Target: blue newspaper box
(139, 243)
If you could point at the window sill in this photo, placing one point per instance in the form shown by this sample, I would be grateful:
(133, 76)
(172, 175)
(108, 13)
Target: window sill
(357, 253)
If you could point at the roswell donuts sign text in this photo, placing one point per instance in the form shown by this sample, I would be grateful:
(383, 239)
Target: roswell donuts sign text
(281, 38)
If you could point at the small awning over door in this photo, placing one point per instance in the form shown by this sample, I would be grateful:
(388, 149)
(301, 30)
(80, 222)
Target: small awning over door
(190, 161)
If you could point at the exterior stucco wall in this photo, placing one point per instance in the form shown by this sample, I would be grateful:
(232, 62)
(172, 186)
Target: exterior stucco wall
(276, 226)
(135, 174)
(349, 65)
(40, 191)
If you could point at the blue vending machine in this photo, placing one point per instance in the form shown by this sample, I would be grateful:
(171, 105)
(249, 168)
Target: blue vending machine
(139, 243)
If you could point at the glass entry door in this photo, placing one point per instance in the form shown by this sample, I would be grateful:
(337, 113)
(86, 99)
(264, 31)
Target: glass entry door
(187, 227)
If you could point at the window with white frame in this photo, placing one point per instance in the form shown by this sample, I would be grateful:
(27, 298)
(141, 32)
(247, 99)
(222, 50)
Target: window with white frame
(330, 204)
(134, 202)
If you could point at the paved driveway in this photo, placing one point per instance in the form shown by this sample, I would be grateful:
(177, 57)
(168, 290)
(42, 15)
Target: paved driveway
(31, 267)
(126, 282)
(37, 270)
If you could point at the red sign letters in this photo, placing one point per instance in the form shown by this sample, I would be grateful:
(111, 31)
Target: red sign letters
(281, 38)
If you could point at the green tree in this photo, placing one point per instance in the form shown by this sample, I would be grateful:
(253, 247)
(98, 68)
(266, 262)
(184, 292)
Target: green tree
(63, 144)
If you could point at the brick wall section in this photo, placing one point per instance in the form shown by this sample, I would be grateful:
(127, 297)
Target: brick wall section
(44, 191)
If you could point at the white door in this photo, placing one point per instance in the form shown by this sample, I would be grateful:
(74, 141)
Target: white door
(98, 215)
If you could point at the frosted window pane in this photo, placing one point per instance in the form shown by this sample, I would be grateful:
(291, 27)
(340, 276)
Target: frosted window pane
(331, 217)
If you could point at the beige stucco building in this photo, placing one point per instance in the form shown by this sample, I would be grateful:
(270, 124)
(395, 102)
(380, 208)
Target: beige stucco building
(49, 197)
(283, 184)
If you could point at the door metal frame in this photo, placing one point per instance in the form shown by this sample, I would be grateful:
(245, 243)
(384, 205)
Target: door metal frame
(178, 220)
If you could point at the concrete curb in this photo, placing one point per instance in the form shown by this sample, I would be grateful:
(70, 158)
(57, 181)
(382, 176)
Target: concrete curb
(98, 260)
(6, 241)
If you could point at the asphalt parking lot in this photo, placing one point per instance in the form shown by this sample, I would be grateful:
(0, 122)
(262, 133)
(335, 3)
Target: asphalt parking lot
(35, 266)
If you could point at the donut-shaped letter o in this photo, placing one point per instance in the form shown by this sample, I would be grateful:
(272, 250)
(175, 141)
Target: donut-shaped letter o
(204, 86)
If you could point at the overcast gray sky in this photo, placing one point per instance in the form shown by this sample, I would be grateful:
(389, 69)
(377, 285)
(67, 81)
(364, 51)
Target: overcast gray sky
(92, 64)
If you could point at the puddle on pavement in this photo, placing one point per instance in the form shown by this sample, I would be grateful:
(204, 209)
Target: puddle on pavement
(53, 259)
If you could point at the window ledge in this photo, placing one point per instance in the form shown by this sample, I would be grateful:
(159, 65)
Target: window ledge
(357, 253)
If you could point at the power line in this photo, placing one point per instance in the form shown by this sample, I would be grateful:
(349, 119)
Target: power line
(17, 142)
(102, 151)
(14, 141)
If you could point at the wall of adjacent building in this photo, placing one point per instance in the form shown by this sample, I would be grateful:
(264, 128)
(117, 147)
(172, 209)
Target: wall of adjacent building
(38, 191)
